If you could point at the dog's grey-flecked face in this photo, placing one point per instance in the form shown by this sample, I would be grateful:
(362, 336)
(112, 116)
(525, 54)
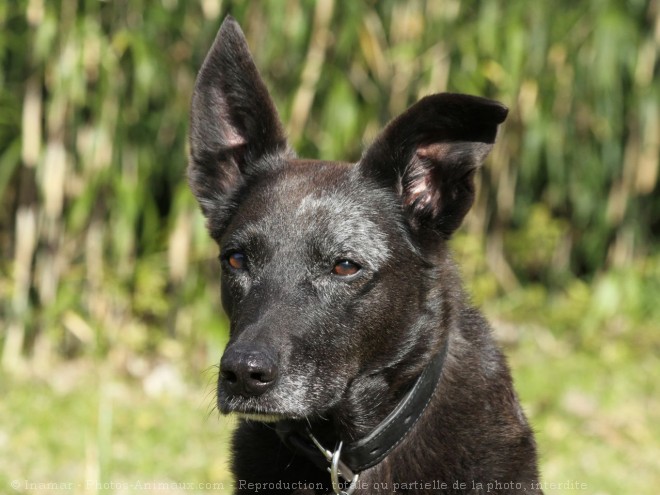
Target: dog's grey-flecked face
(327, 267)
(293, 227)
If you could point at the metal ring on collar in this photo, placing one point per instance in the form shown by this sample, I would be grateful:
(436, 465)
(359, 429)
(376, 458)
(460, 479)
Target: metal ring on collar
(338, 468)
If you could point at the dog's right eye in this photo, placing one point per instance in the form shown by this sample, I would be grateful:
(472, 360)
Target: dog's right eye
(236, 260)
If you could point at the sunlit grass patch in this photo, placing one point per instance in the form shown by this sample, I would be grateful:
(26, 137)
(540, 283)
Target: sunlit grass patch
(88, 426)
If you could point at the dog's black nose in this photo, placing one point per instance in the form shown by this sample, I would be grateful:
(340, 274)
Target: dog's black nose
(248, 371)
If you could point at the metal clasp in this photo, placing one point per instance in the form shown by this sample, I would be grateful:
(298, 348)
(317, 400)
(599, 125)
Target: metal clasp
(337, 468)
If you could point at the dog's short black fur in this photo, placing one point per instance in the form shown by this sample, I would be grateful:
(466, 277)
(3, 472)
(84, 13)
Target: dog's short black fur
(340, 288)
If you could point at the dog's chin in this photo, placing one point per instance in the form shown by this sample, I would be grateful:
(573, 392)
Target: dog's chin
(263, 418)
(252, 411)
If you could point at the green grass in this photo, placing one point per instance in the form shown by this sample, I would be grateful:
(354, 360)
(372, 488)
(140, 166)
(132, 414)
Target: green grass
(596, 414)
(85, 424)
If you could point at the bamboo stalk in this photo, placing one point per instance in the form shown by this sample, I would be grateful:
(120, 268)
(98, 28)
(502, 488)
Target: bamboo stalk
(302, 102)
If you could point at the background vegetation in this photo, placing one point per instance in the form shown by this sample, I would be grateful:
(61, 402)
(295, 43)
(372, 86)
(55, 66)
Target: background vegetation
(109, 317)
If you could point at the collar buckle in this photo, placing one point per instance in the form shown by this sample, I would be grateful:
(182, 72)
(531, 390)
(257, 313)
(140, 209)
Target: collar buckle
(337, 468)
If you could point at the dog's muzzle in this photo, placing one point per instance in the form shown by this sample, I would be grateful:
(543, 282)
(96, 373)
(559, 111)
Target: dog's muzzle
(248, 371)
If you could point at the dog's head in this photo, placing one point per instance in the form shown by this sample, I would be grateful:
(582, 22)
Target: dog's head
(333, 274)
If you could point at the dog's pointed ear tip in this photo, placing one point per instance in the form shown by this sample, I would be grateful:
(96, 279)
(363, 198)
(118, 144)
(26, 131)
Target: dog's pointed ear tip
(229, 22)
(228, 41)
(230, 28)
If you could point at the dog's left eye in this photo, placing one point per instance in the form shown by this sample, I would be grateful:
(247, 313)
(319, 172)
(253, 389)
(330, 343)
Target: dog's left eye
(345, 268)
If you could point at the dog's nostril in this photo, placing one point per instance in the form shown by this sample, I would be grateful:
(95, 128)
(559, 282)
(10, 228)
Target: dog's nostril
(257, 377)
(230, 376)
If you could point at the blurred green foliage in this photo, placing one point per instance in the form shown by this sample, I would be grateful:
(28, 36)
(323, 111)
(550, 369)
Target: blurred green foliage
(104, 256)
(96, 216)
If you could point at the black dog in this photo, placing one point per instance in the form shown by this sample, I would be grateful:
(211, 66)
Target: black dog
(349, 328)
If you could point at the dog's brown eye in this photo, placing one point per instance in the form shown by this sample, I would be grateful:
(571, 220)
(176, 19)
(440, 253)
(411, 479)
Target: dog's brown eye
(236, 260)
(345, 268)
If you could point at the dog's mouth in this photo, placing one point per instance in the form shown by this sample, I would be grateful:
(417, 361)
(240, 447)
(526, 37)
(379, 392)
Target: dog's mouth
(252, 409)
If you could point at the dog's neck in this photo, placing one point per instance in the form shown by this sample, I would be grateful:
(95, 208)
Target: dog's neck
(372, 448)
(372, 398)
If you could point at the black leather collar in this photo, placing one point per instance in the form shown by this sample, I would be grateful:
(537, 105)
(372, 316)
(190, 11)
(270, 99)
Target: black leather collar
(373, 448)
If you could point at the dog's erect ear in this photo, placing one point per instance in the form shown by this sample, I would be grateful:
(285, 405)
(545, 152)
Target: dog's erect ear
(429, 155)
(233, 122)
